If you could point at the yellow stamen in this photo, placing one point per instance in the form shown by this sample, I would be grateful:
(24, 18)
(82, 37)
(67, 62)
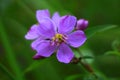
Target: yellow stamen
(58, 38)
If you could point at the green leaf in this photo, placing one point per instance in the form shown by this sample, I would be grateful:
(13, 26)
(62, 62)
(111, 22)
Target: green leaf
(35, 65)
(113, 53)
(6, 72)
(92, 77)
(93, 30)
(10, 53)
(116, 45)
(84, 53)
(74, 77)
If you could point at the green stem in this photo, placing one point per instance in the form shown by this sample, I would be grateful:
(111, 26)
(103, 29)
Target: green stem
(9, 53)
(85, 65)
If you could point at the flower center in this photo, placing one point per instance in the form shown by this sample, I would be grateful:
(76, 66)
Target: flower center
(59, 38)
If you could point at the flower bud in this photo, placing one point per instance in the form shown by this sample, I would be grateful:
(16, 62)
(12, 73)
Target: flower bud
(82, 24)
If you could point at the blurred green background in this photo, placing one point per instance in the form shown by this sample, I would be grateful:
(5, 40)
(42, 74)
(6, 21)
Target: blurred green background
(16, 17)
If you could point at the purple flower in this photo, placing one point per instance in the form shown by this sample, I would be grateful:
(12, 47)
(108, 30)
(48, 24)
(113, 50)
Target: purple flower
(55, 35)
(81, 24)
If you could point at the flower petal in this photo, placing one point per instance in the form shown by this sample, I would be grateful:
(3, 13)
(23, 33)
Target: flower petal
(36, 43)
(64, 53)
(47, 28)
(56, 18)
(76, 38)
(45, 49)
(33, 33)
(40, 14)
(67, 24)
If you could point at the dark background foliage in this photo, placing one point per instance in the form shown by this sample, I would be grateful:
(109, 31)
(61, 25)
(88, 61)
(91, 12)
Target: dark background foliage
(16, 17)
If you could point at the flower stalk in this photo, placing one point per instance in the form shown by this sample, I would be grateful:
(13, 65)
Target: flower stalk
(84, 63)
